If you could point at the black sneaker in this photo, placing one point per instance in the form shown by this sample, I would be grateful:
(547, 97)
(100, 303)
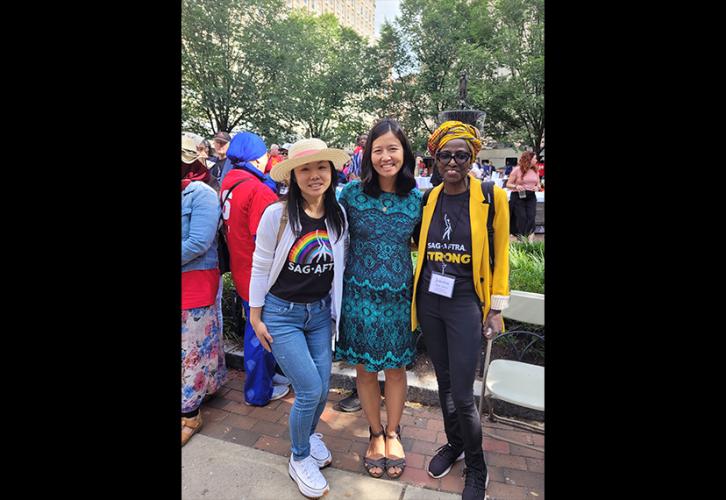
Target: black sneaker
(351, 403)
(444, 460)
(475, 484)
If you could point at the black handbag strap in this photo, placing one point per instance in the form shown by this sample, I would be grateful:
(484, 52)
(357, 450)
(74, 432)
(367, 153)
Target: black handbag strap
(226, 197)
(283, 223)
(487, 189)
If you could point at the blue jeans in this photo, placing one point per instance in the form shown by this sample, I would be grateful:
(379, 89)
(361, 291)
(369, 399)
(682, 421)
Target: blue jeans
(301, 345)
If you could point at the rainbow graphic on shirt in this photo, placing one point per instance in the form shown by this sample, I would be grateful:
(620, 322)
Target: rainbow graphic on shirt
(311, 248)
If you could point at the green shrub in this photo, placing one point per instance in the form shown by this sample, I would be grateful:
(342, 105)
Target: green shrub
(508, 346)
(526, 265)
(232, 322)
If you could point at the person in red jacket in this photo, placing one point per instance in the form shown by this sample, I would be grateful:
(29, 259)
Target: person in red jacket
(252, 192)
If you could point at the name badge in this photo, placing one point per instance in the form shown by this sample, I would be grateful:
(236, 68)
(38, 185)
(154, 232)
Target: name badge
(442, 285)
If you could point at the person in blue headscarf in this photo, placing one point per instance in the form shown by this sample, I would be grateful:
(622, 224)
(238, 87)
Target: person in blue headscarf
(245, 192)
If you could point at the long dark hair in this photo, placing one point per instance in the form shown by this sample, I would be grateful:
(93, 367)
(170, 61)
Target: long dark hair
(405, 181)
(295, 203)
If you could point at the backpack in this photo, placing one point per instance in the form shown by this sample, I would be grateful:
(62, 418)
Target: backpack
(222, 249)
(487, 189)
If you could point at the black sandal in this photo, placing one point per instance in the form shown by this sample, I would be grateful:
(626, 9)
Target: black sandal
(370, 463)
(395, 462)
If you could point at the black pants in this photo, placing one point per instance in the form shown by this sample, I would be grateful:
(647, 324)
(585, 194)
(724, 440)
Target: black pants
(452, 332)
(524, 210)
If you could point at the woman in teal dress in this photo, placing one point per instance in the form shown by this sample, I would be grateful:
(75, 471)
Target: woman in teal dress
(375, 332)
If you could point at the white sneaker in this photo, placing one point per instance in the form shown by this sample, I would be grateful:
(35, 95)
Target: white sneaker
(320, 453)
(306, 474)
(279, 391)
(278, 379)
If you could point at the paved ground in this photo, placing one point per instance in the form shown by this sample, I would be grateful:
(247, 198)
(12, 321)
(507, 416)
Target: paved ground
(515, 472)
(219, 470)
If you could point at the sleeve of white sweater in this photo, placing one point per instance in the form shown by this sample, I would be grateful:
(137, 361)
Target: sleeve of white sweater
(262, 259)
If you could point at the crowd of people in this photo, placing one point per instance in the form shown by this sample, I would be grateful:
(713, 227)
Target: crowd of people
(522, 181)
(326, 274)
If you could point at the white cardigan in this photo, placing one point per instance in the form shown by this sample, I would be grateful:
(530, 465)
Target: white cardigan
(268, 261)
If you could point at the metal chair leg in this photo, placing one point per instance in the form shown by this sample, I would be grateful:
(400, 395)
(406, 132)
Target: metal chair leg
(487, 357)
(523, 445)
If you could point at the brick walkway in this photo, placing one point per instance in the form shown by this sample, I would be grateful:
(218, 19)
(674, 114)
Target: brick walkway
(515, 472)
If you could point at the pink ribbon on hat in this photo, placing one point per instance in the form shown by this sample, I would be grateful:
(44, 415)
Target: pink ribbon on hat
(307, 152)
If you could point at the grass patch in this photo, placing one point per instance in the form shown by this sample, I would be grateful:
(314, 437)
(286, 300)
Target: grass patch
(526, 266)
(232, 312)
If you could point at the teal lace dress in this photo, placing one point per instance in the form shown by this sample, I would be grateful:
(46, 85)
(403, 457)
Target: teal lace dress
(375, 327)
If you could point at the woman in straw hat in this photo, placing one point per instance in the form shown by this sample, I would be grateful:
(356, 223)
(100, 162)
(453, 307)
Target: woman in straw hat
(295, 290)
(459, 295)
(383, 209)
(203, 368)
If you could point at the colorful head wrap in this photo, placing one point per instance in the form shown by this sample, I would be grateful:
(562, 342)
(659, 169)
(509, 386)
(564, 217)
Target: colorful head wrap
(453, 129)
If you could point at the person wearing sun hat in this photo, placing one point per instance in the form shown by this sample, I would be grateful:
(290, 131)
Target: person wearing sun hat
(194, 152)
(459, 292)
(203, 370)
(296, 290)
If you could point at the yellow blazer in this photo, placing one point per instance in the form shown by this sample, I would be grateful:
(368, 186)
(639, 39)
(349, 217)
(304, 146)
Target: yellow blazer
(495, 285)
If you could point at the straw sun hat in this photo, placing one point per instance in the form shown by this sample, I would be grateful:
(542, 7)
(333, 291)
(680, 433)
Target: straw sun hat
(189, 144)
(308, 151)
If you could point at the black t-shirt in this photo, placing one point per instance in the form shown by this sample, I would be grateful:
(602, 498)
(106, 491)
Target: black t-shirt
(448, 245)
(307, 276)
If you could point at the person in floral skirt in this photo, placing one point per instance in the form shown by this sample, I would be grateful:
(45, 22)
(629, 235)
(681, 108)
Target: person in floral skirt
(203, 369)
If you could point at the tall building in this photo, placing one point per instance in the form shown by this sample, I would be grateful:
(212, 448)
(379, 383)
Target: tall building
(357, 14)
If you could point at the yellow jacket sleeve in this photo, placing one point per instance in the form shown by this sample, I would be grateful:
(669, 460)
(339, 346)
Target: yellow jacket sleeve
(500, 279)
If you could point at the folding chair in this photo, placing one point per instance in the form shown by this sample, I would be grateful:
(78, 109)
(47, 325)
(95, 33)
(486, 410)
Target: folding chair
(515, 382)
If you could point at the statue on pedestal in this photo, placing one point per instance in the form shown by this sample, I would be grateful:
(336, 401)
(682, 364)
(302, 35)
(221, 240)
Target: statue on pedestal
(462, 89)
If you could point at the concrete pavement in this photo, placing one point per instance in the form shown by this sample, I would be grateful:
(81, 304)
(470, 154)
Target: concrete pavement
(213, 469)
(516, 473)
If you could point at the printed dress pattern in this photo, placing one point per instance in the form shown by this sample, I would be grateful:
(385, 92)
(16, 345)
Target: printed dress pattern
(375, 328)
(203, 367)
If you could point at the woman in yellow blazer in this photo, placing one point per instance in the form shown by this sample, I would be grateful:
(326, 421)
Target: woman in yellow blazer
(458, 296)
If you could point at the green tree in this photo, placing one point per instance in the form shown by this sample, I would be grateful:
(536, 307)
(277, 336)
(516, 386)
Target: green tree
(323, 82)
(281, 74)
(223, 61)
(426, 50)
(398, 92)
(514, 92)
(498, 43)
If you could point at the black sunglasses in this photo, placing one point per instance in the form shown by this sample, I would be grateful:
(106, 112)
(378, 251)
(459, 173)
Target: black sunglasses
(461, 157)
